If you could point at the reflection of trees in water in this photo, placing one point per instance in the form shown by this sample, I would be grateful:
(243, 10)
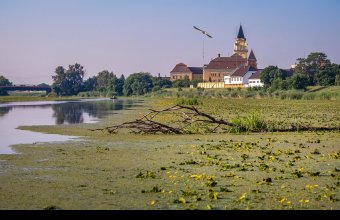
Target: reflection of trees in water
(72, 112)
(4, 110)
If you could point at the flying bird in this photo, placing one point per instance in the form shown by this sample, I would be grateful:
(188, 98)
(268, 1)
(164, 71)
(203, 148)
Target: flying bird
(203, 32)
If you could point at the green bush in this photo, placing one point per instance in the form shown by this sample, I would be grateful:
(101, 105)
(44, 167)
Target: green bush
(253, 122)
(187, 101)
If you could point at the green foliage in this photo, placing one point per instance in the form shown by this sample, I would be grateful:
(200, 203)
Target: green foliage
(195, 81)
(187, 101)
(252, 122)
(298, 81)
(337, 80)
(68, 82)
(90, 84)
(147, 174)
(310, 66)
(4, 82)
(138, 84)
(327, 76)
(182, 83)
(270, 73)
(108, 83)
(160, 82)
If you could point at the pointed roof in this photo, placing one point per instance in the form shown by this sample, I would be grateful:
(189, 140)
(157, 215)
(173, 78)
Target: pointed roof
(240, 33)
(252, 55)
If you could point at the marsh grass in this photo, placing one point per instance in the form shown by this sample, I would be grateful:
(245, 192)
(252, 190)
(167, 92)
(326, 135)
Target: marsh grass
(252, 122)
(197, 171)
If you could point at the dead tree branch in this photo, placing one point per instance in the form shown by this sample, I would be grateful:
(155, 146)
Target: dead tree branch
(185, 116)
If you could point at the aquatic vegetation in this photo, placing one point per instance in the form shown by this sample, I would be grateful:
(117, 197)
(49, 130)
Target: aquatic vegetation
(147, 174)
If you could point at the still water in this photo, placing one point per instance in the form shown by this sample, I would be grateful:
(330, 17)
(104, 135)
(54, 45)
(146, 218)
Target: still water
(13, 115)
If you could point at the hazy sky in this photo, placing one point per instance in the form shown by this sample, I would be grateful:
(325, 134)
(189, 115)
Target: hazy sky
(127, 36)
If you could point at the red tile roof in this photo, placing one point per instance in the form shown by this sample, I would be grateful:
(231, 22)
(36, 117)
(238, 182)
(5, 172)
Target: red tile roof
(182, 68)
(243, 70)
(256, 75)
(226, 62)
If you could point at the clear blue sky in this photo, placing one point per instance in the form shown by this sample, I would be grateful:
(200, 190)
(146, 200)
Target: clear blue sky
(127, 36)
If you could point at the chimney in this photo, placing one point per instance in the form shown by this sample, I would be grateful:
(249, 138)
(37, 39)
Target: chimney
(219, 55)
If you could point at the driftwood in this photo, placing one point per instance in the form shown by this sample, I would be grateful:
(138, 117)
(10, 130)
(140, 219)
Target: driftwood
(186, 116)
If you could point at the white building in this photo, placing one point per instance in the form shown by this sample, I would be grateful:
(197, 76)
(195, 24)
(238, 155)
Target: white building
(255, 79)
(240, 77)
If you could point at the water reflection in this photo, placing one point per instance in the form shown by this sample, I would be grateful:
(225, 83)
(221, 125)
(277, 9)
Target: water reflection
(73, 112)
(13, 115)
(4, 111)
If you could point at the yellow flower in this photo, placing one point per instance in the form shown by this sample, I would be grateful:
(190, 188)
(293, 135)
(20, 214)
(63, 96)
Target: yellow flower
(170, 191)
(306, 201)
(301, 201)
(288, 203)
(282, 200)
(243, 197)
(152, 202)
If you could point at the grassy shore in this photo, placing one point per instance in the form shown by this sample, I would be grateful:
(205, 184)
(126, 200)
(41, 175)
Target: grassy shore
(11, 98)
(297, 170)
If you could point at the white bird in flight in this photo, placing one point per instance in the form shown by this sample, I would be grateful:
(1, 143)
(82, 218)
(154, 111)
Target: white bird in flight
(204, 32)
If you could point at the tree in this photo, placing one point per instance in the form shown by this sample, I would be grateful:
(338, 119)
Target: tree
(327, 76)
(4, 82)
(196, 81)
(161, 82)
(310, 66)
(138, 84)
(43, 85)
(104, 81)
(90, 84)
(120, 85)
(279, 84)
(182, 83)
(68, 82)
(298, 81)
(270, 73)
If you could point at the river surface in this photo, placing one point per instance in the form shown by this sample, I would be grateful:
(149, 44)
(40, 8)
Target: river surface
(15, 114)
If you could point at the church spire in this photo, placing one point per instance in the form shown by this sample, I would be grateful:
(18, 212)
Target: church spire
(240, 33)
(240, 46)
(252, 60)
(252, 55)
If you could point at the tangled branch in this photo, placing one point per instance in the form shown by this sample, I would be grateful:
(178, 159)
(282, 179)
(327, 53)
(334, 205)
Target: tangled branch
(185, 117)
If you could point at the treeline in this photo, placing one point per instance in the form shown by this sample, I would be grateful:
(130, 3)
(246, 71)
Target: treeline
(70, 82)
(315, 70)
(4, 82)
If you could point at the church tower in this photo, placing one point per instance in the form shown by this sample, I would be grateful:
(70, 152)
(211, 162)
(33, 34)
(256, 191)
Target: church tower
(240, 46)
(252, 61)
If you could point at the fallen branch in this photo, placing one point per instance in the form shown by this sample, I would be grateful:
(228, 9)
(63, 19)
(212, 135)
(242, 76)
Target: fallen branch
(188, 115)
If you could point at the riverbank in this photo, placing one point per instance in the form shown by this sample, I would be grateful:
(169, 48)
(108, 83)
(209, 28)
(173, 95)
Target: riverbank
(4, 99)
(297, 170)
